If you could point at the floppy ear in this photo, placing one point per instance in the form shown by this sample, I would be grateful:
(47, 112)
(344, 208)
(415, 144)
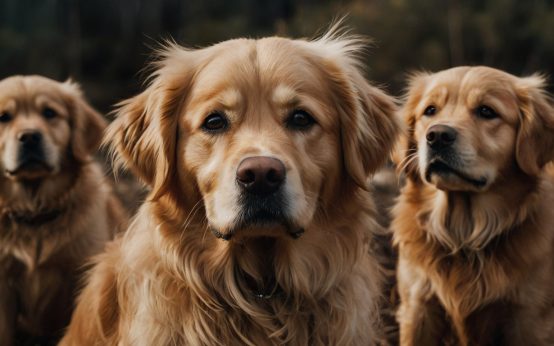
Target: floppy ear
(144, 135)
(405, 151)
(87, 124)
(368, 130)
(368, 122)
(535, 138)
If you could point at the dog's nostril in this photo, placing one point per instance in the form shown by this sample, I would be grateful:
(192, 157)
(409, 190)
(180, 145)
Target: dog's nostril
(246, 176)
(431, 136)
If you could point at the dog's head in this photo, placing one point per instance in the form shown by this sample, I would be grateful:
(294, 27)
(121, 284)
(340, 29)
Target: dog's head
(42, 122)
(468, 126)
(264, 132)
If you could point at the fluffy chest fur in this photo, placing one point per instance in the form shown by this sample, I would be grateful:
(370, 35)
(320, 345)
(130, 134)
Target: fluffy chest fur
(41, 262)
(471, 279)
(33, 230)
(202, 291)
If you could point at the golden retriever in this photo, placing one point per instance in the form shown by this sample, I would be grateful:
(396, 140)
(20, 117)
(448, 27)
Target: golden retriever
(55, 207)
(258, 227)
(474, 223)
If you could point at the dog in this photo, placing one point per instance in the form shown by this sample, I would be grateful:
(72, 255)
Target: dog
(55, 207)
(258, 226)
(474, 224)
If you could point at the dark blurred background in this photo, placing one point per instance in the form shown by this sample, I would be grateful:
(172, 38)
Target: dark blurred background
(104, 44)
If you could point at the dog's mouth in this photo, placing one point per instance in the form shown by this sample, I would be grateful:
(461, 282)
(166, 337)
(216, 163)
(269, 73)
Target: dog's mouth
(262, 216)
(263, 224)
(441, 168)
(30, 169)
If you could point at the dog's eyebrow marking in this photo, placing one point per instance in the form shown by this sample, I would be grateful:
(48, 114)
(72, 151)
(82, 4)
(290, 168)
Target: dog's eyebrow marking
(439, 95)
(284, 95)
(44, 100)
(9, 105)
(230, 98)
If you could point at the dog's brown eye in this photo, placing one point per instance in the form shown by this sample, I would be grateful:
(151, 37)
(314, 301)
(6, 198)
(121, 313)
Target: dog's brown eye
(5, 117)
(486, 112)
(300, 120)
(430, 110)
(49, 113)
(215, 122)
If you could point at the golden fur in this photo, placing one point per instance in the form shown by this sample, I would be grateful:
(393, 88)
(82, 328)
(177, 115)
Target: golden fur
(169, 281)
(476, 264)
(55, 211)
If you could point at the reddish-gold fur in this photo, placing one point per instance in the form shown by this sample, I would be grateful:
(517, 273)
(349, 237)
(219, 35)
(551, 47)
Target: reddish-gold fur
(50, 222)
(476, 264)
(169, 280)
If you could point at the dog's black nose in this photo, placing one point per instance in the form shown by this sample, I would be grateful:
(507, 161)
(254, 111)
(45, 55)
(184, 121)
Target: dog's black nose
(441, 136)
(261, 174)
(30, 138)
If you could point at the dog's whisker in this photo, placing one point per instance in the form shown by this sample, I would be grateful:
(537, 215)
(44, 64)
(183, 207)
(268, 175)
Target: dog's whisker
(189, 219)
(191, 214)
(407, 160)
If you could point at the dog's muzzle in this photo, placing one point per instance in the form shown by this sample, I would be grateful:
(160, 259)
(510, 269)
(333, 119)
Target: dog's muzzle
(31, 157)
(262, 199)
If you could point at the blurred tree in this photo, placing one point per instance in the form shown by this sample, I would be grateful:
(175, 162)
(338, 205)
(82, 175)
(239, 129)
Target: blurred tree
(105, 43)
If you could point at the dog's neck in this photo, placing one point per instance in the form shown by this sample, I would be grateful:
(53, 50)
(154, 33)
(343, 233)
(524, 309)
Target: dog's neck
(269, 286)
(263, 267)
(470, 221)
(255, 267)
(28, 200)
(27, 223)
(31, 218)
(34, 212)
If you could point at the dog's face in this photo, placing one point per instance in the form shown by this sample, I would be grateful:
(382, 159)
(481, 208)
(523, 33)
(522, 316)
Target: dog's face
(471, 125)
(260, 142)
(267, 131)
(41, 121)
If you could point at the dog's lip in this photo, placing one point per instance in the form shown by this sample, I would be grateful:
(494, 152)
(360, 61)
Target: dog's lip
(30, 166)
(294, 232)
(221, 235)
(437, 166)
